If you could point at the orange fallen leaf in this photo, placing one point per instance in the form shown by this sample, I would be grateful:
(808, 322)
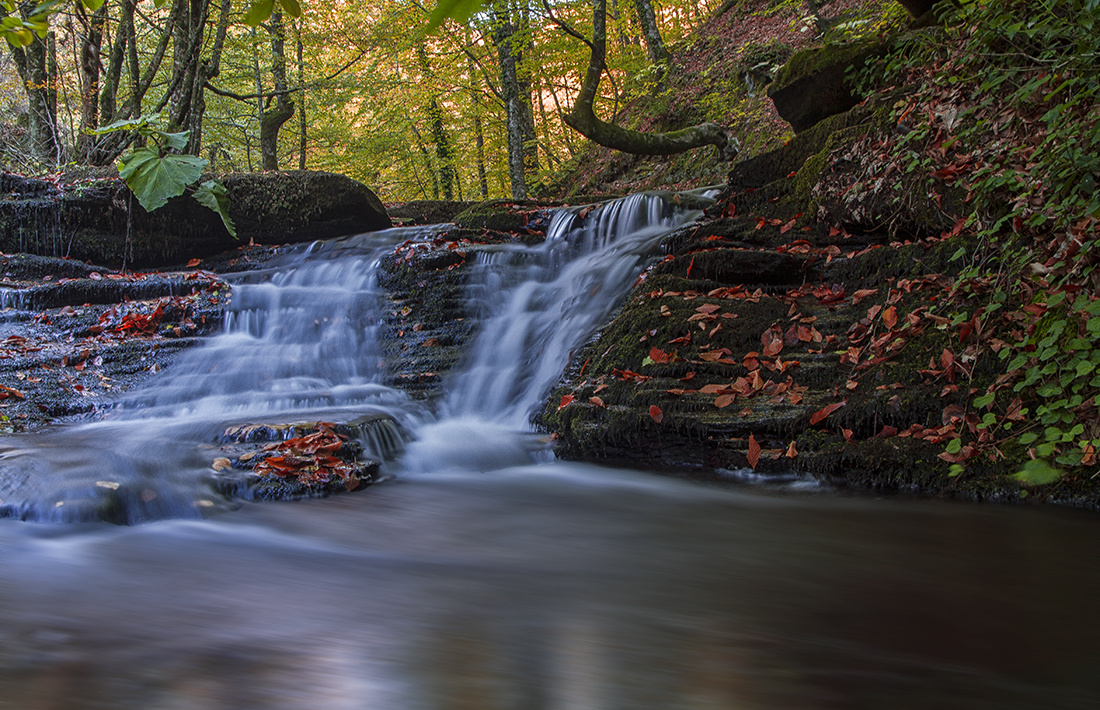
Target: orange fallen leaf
(753, 454)
(656, 413)
(193, 263)
(825, 411)
(565, 402)
(791, 451)
(596, 401)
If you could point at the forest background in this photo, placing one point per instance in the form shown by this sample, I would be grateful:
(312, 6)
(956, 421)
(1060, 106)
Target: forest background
(471, 111)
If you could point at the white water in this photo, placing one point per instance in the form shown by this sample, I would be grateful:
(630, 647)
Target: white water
(301, 342)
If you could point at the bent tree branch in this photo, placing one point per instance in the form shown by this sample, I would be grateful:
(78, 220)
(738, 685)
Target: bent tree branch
(582, 118)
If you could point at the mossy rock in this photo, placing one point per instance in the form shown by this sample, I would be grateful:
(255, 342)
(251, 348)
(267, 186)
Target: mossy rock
(815, 83)
(100, 222)
(515, 216)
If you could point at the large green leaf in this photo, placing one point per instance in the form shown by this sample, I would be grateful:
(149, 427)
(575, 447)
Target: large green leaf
(154, 179)
(213, 194)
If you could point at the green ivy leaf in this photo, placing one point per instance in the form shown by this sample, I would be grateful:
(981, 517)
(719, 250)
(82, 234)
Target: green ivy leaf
(213, 194)
(1037, 472)
(154, 179)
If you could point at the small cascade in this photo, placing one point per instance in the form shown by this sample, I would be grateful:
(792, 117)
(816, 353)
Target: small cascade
(299, 335)
(301, 343)
(538, 304)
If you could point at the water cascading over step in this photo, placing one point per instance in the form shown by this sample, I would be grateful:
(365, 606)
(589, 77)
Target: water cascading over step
(301, 342)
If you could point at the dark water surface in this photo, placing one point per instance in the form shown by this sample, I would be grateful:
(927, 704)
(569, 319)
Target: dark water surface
(557, 586)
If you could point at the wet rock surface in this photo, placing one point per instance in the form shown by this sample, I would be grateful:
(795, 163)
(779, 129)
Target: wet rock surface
(789, 333)
(72, 335)
(429, 323)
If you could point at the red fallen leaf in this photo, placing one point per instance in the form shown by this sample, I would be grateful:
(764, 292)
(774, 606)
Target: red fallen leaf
(967, 452)
(6, 392)
(193, 263)
(600, 388)
(565, 402)
(783, 230)
(887, 431)
(851, 384)
(825, 411)
(724, 400)
(95, 276)
(847, 434)
(681, 339)
(890, 317)
(791, 337)
(688, 377)
(713, 389)
(791, 451)
(656, 413)
(862, 294)
(431, 342)
(708, 308)
(596, 401)
(760, 223)
(947, 358)
(772, 340)
(659, 356)
(676, 392)
(753, 453)
(731, 210)
(688, 274)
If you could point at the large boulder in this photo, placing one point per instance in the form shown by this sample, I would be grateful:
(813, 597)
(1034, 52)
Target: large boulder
(98, 220)
(816, 83)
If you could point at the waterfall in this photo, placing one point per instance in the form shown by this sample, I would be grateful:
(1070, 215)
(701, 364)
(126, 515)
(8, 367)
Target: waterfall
(538, 304)
(301, 342)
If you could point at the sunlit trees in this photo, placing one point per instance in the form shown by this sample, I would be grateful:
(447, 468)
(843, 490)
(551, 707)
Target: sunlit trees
(470, 112)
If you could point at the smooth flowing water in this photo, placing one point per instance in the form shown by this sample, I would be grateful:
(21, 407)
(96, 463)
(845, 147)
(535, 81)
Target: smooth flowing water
(484, 574)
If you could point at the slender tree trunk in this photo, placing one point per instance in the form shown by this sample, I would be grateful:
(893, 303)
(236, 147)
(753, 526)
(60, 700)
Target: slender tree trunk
(108, 93)
(647, 20)
(32, 65)
(273, 117)
(301, 101)
(443, 152)
(522, 147)
(479, 131)
(583, 117)
(91, 43)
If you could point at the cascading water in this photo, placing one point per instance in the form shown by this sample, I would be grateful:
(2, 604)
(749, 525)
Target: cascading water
(301, 342)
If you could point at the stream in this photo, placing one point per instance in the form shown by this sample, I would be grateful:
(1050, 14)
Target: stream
(481, 573)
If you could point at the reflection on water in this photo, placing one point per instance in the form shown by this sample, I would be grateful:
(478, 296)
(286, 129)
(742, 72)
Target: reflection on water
(557, 587)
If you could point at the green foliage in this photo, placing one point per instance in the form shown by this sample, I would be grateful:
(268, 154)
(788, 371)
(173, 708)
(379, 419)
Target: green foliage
(458, 10)
(20, 30)
(155, 175)
(212, 194)
(261, 10)
(1038, 472)
(1005, 105)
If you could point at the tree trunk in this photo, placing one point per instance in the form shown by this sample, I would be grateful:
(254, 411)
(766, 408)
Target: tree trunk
(90, 45)
(108, 93)
(31, 64)
(647, 19)
(301, 101)
(523, 162)
(273, 118)
(583, 118)
(443, 151)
